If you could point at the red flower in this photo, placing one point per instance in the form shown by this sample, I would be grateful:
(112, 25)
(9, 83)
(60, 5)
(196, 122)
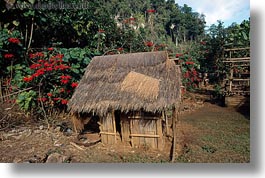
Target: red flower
(132, 19)
(40, 71)
(8, 56)
(39, 54)
(59, 56)
(68, 77)
(28, 79)
(74, 84)
(49, 94)
(194, 72)
(42, 99)
(64, 101)
(31, 56)
(46, 64)
(50, 49)
(62, 90)
(189, 63)
(35, 66)
(62, 67)
(187, 74)
(151, 11)
(56, 99)
(178, 55)
(64, 81)
(149, 43)
(48, 69)
(120, 49)
(101, 31)
(14, 40)
(203, 43)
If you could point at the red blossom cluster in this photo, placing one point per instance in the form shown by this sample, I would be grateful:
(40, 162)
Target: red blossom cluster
(132, 19)
(35, 55)
(42, 66)
(120, 49)
(178, 55)
(189, 63)
(74, 84)
(65, 79)
(203, 43)
(149, 43)
(28, 79)
(159, 46)
(62, 101)
(50, 49)
(129, 20)
(101, 31)
(192, 75)
(8, 56)
(151, 11)
(14, 40)
(42, 99)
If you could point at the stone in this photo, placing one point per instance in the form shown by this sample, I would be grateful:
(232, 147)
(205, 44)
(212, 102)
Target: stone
(56, 158)
(41, 127)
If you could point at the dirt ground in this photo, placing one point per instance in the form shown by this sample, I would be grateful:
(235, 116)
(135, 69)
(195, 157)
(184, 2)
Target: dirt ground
(206, 133)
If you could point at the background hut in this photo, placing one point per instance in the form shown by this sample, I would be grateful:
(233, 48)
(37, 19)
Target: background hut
(128, 94)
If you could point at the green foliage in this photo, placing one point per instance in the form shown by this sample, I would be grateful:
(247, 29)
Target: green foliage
(25, 100)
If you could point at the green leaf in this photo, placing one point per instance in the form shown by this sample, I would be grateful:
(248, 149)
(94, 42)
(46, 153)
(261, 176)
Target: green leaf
(16, 23)
(76, 66)
(32, 1)
(244, 35)
(86, 60)
(74, 54)
(43, 19)
(75, 71)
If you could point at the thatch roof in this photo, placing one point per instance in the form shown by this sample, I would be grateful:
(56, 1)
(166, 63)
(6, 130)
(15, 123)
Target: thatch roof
(141, 85)
(128, 82)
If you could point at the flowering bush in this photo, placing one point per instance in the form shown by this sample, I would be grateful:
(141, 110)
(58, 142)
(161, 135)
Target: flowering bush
(51, 77)
(190, 61)
(50, 80)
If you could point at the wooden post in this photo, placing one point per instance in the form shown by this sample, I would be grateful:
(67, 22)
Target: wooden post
(131, 132)
(114, 126)
(231, 79)
(160, 133)
(174, 134)
(166, 119)
(1, 94)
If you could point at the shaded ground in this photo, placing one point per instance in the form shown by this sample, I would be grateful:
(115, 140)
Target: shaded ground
(206, 133)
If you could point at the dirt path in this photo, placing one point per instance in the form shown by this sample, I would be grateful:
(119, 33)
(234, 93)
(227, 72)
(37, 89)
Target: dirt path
(209, 134)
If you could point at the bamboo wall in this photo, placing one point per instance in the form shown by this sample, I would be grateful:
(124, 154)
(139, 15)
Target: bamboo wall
(136, 129)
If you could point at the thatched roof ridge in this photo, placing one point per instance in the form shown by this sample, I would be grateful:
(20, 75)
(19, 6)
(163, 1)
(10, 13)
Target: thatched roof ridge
(105, 84)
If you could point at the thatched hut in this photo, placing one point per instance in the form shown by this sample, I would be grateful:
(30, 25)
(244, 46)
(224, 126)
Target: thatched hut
(128, 94)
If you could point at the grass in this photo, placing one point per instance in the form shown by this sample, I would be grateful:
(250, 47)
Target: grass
(220, 135)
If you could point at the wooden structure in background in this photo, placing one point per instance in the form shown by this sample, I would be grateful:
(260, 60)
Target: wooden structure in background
(130, 94)
(236, 84)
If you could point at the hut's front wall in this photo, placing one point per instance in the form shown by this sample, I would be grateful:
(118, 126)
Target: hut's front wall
(142, 130)
(138, 129)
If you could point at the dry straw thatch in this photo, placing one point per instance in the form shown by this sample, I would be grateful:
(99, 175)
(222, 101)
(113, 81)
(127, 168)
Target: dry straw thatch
(128, 82)
(141, 85)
